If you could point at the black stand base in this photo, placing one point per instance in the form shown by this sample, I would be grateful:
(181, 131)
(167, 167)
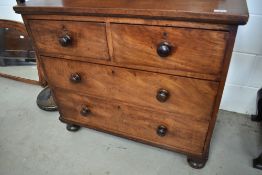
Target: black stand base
(256, 118)
(72, 128)
(45, 100)
(257, 163)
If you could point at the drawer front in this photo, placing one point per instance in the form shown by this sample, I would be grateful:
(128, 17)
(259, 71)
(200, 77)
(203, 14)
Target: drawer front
(184, 95)
(173, 132)
(188, 50)
(68, 38)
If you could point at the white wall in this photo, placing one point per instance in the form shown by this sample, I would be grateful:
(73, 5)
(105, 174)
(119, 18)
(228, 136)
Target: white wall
(7, 12)
(245, 73)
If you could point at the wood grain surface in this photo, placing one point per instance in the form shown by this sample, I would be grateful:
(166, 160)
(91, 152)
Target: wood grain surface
(212, 11)
(137, 123)
(193, 50)
(187, 96)
(88, 38)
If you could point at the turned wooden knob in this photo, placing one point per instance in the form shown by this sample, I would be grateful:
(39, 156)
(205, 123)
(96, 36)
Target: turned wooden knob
(85, 111)
(164, 49)
(161, 130)
(162, 95)
(65, 40)
(75, 78)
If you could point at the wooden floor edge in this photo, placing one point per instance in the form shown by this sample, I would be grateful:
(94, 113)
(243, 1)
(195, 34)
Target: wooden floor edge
(24, 80)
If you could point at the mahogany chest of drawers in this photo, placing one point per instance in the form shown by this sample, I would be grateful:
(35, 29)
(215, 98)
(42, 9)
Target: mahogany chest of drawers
(151, 71)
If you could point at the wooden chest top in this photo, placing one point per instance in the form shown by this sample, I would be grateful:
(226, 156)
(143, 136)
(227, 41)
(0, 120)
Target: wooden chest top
(212, 11)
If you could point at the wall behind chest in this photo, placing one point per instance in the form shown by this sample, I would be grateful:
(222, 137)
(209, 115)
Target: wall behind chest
(245, 72)
(7, 12)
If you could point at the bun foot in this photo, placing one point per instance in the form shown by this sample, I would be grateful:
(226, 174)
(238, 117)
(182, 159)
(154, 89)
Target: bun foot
(196, 163)
(72, 128)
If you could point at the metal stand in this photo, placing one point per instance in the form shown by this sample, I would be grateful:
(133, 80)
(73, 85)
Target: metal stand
(45, 100)
(257, 163)
(258, 116)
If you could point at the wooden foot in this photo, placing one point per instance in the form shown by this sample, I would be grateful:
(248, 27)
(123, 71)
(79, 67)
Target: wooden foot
(257, 163)
(72, 128)
(196, 163)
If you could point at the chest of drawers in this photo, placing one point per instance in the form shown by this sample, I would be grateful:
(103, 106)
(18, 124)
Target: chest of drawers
(151, 71)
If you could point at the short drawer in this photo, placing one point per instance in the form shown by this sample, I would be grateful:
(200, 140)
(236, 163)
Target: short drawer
(161, 92)
(68, 38)
(162, 129)
(170, 48)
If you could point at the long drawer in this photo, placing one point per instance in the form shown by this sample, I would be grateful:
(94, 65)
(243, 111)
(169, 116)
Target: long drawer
(162, 92)
(180, 133)
(169, 48)
(84, 40)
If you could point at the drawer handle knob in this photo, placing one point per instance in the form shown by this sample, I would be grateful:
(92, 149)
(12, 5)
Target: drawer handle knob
(65, 40)
(85, 111)
(75, 78)
(162, 95)
(161, 130)
(164, 49)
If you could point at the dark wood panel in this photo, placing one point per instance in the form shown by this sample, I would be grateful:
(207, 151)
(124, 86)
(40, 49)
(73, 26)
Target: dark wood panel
(192, 50)
(187, 96)
(133, 122)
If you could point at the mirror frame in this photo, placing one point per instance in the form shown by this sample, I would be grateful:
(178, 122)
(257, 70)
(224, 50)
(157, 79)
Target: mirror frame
(21, 28)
